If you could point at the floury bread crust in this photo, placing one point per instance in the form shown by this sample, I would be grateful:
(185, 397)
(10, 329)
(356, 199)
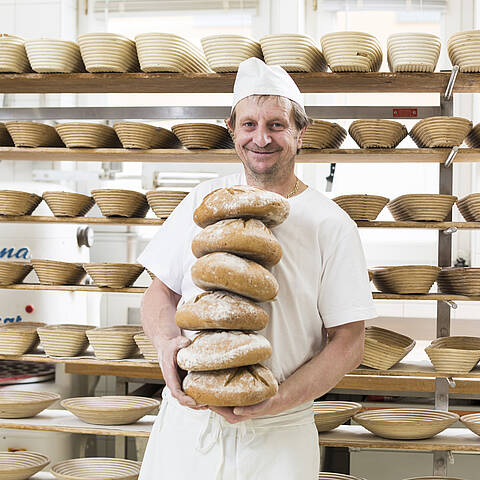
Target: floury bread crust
(219, 350)
(246, 238)
(221, 310)
(232, 387)
(242, 201)
(224, 271)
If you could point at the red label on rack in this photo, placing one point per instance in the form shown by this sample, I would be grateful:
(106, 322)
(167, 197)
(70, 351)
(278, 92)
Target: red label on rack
(405, 112)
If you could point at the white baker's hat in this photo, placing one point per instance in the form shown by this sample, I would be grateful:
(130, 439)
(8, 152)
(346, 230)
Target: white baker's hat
(254, 77)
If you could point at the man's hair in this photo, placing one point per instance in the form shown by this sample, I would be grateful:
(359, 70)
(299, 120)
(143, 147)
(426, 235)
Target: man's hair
(300, 118)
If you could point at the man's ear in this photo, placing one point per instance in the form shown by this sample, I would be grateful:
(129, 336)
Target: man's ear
(229, 126)
(300, 137)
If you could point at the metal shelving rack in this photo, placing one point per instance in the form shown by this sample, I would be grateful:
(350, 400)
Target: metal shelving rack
(444, 83)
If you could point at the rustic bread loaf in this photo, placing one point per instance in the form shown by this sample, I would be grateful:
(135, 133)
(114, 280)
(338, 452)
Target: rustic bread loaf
(220, 309)
(232, 387)
(219, 350)
(242, 201)
(224, 271)
(246, 238)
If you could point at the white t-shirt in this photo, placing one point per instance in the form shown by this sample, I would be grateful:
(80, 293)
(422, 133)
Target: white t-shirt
(322, 275)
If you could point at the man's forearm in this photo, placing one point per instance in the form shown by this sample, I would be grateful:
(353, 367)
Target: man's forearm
(158, 309)
(319, 375)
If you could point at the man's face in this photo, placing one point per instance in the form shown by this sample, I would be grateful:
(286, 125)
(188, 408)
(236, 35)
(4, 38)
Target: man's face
(266, 138)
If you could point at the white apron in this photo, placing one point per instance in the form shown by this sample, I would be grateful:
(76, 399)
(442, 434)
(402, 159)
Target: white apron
(188, 444)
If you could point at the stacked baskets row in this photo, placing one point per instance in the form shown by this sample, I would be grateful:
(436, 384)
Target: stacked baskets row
(112, 202)
(169, 53)
(432, 132)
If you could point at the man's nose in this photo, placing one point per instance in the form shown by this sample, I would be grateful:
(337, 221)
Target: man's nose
(262, 136)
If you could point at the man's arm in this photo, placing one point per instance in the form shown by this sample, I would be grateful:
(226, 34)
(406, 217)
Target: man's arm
(159, 305)
(319, 375)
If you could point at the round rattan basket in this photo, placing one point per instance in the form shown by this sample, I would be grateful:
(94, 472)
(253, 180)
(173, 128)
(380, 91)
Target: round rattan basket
(405, 423)
(440, 132)
(385, 348)
(17, 203)
(25, 404)
(13, 57)
(19, 338)
(21, 465)
(422, 207)
(110, 410)
(330, 414)
(377, 133)
(96, 468)
(144, 136)
(114, 343)
(64, 340)
(33, 134)
(454, 355)
(362, 207)
(113, 275)
(405, 279)
(68, 204)
(321, 134)
(54, 56)
(53, 272)
(472, 421)
(121, 203)
(459, 280)
(469, 207)
(202, 135)
(163, 202)
(146, 347)
(87, 135)
(13, 272)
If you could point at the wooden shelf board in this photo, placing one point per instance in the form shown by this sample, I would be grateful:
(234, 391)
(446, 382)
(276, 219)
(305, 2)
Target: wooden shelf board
(454, 439)
(426, 296)
(420, 225)
(64, 421)
(318, 82)
(87, 220)
(73, 288)
(354, 155)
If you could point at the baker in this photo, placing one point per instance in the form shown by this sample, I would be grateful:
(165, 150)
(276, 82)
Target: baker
(323, 294)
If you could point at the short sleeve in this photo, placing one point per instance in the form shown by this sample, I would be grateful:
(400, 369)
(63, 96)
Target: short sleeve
(345, 294)
(165, 254)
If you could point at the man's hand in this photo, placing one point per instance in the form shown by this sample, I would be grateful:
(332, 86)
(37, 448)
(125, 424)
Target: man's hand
(167, 358)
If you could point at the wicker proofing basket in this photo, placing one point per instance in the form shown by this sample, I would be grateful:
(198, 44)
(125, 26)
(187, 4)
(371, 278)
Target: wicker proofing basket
(53, 272)
(114, 343)
(113, 275)
(54, 56)
(163, 202)
(121, 203)
(472, 421)
(443, 132)
(405, 279)
(144, 136)
(64, 340)
(469, 207)
(13, 57)
(330, 415)
(110, 410)
(405, 423)
(202, 135)
(362, 207)
(146, 347)
(17, 203)
(87, 135)
(454, 355)
(459, 280)
(5, 138)
(21, 465)
(336, 476)
(33, 134)
(24, 404)
(97, 468)
(377, 133)
(13, 272)
(423, 207)
(321, 134)
(384, 348)
(19, 338)
(68, 204)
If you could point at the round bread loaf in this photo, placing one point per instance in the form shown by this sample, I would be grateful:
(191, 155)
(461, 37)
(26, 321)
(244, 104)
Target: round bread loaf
(242, 201)
(232, 387)
(246, 238)
(224, 271)
(219, 350)
(219, 309)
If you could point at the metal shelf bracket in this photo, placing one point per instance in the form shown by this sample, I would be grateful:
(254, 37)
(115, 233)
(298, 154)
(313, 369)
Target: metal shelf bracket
(451, 383)
(451, 304)
(451, 82)
(451, 156)
(450, 230)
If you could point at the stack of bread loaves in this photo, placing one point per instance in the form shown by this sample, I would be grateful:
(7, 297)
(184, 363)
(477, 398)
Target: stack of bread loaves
(234, 250)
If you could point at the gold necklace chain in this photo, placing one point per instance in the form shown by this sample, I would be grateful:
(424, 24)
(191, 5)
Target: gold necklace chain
(295, 189)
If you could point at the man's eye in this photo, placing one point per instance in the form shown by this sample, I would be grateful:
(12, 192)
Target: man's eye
(277, 125)
(248, 124)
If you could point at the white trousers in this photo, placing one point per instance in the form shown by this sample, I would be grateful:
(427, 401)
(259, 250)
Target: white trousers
(188, 444)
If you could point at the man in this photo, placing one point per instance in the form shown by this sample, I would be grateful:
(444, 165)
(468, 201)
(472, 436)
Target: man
(324, 292)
